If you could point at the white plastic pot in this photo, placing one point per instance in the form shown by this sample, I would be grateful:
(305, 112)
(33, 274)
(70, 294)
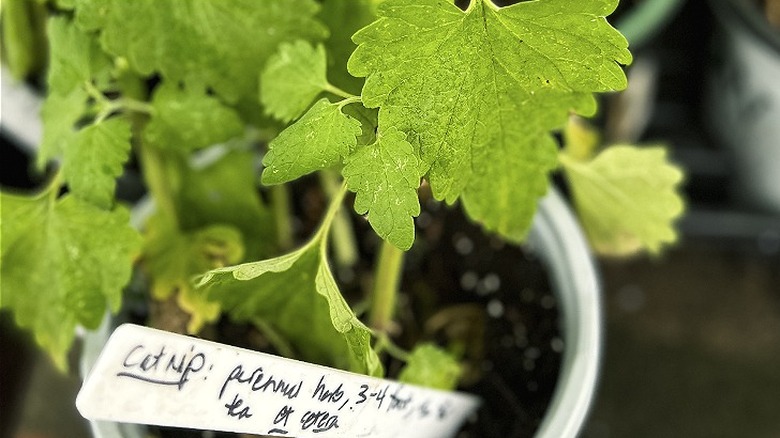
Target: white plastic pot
(744, 101)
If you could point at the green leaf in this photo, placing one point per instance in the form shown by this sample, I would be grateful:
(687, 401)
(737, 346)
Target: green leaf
(94, 159)
(217, 44)
(187, 120)
(60, 113)
(385, 176)
(320, 139)
(430, 366)
(466, 85)
(63, 263)
(508, 180)
(296, 294)
(626, 198)
(292, 79)
(173, 258)
(75, 57)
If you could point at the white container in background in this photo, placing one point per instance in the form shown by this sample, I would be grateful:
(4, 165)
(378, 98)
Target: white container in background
(743, 100)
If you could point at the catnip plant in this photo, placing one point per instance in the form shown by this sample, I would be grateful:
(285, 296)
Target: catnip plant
(376, 97)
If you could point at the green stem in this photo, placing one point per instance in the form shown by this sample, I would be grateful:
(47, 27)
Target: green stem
(330, 88)
(327, 221)
(349, 100)
(344, 244)
(385, 292)
(156, 176)
(384, 343)
(280, 205)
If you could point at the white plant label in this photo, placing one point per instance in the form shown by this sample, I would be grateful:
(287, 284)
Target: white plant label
(149, 376)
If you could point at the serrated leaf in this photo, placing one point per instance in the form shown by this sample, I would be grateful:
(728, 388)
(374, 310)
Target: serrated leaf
(460, 81)
(173, 258)
(295, 294)
(59, 114)
(626, 198)
(430, 366)
(187, 119)
(318, 140)
(385, 177)
(292, 79)
(217, 44)
(75, 57)
(63, 263)
(502, 196)
(94, 158)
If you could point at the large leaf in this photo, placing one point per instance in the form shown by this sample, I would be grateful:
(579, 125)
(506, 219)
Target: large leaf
(474, 88)
(218, 44)
(63, 263)
(296, 294)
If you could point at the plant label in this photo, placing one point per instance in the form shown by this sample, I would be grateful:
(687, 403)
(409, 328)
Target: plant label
(149, 376)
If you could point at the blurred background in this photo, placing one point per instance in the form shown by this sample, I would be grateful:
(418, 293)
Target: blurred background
(692, 337)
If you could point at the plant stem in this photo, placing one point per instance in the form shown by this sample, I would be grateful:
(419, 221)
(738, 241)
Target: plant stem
(330, 88)
(327, 221)
(155, 173)
(280, 205)
(385, 292)
(344, 245)
(384, 343)
(349, 100)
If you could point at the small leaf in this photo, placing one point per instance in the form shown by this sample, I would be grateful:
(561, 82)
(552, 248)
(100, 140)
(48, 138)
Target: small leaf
(320, 139)
(385, 176)
(430, 366)
(185, 119)
(174, 258)
(63, 263)
(627, 198)
(59, 113)
(94, 158)
(75, 57)
(292, 79)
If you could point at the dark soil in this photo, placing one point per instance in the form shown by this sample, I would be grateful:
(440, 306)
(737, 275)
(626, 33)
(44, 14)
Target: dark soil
(466, 291)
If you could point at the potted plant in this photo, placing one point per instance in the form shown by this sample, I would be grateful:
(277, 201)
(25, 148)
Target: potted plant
(396, 108)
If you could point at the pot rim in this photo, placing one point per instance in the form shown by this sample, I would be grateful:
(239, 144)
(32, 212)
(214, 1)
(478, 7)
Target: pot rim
(557, 238)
